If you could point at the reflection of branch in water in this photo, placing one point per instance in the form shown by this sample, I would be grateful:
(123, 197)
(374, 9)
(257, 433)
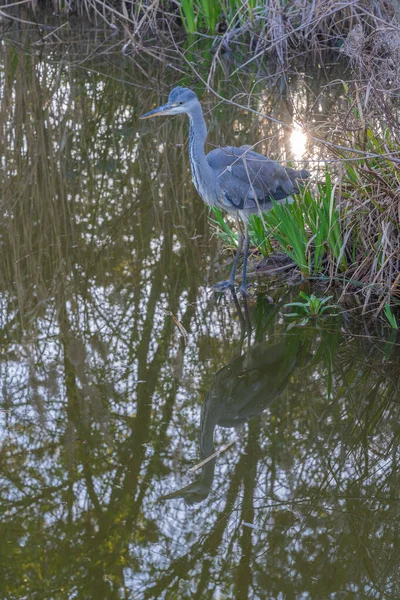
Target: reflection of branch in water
(244, 319)
(207, 545)
(242, 389)
(213, 455)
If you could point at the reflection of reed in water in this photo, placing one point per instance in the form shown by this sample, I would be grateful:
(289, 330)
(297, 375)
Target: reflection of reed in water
(242, 389)
(74, 214)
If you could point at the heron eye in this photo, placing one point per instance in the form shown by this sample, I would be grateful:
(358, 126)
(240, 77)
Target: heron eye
(181, 102)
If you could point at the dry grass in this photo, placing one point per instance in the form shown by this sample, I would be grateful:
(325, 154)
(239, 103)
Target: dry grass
(375, 57)
(370, 205)
(370, 198)
(375, 61)
(279, 27)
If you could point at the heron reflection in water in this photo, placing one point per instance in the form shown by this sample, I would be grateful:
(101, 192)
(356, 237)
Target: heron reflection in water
(238, 180)
(242, 389)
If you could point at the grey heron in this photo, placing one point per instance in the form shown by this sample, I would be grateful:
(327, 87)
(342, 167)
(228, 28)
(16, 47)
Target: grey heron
(238, 180)
(241, 390)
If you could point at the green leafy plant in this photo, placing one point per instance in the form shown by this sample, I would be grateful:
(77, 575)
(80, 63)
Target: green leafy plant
(390, 316)
(309, 230)
(188, 16)
(322, 219)
(259, 237)
(224, 231)
(286, 223)
(201, 13)
(312, 308)
(210, 10)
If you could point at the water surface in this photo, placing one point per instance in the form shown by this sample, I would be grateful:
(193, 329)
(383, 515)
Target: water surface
(120, 370)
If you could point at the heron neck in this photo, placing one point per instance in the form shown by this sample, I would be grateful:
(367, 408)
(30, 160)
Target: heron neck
(203, 175)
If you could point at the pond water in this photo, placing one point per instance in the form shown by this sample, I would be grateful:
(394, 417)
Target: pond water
(121, 370)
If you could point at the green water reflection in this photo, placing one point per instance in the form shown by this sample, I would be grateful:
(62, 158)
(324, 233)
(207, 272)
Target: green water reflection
(105, 404)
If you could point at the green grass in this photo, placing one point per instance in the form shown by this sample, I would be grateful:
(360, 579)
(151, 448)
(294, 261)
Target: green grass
(308, 230)
(259, 235)
(310, 308)
(390, 317)
(228, 236)
(205, 14)
(188, 15)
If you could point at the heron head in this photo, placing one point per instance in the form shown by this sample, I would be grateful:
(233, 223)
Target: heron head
(181, 100)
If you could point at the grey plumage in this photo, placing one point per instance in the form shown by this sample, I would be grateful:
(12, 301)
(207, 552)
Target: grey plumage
(238, 180)
(249, 181)
(241, 390)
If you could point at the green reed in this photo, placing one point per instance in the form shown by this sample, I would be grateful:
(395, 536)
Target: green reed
(308, 230)
(202, 14)
(390, 317)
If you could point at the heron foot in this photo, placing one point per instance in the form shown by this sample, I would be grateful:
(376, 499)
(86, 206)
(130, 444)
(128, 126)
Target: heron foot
(223, 285)
(244, 290)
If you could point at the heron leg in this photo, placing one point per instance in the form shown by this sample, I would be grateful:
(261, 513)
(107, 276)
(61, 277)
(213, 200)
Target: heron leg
(223, 285)
(243, 288)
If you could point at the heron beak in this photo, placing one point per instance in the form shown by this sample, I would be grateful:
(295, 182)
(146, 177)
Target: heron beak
(161, 110)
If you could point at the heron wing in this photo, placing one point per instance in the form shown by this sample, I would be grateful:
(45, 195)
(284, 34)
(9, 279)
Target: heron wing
(247, 178)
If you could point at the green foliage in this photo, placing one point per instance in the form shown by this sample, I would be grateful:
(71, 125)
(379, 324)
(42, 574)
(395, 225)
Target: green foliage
(322, 217)
(312, 307)
(224, 231)
(259, 235)
(287, 226)
(369, 200)
(199, 14)
(210, 12)
(188, 16)
(206, 14)
(390, 317)
(309, 230)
